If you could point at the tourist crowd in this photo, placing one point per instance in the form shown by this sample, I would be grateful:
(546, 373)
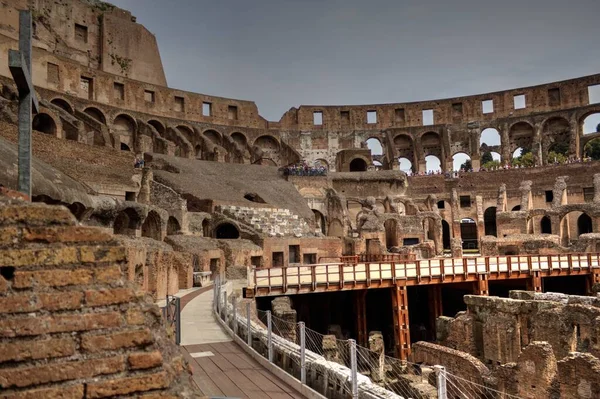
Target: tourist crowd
(304, 169)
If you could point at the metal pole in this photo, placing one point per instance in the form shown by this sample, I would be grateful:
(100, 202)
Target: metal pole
(353, 368)
(224, 309)
(234, 322)
(248, 324)
(302, 352)
(440, 372)
(178, 320)
(270, 336)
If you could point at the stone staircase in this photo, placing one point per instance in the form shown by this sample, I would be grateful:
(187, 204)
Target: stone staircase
(273, 222)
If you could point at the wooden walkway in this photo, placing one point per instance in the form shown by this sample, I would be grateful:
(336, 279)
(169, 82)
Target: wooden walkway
(223, 369)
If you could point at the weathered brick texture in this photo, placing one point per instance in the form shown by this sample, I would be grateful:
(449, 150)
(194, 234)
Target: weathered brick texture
(71, 324)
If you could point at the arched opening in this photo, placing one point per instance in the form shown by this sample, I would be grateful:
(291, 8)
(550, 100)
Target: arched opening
(321, 163)
(96, 114)
(206, 228)
(584, 224)
(433, 164)
(489, 221)
(269, 149)
(62, 104)
(151, 226)
(391, 233)
(446, 234)
(468, 234)
(44, 123)
(226, 231)
(521, 135)
(214, 136)
(516, 208)
(188, 133)
(592, 149)
(462, 162)
(336, 229)
(405, 165)
(405, 150)
(375, 146)
(126, 222)
(546, 225)
(358, 165)
(198, 151)
(490, 137)
(125, 127)
(160, 128)
(173, 226)
(77, 209)
(239, 139)
(125, 147)
(557, 135)
(490, 160)
(253, 197)
(591, 123)
(432, 144)
(319, 221)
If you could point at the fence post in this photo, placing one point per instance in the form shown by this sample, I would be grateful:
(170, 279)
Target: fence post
(224, 308)
(248, 324)
(440, 372)
(353, 368)
(178, 320)
(302, 327)
(270, 336)
(234, 323)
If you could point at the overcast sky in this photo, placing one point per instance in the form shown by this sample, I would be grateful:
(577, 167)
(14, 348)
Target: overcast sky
(283, 53)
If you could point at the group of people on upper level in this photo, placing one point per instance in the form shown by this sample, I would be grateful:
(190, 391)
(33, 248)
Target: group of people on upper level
(304, 169)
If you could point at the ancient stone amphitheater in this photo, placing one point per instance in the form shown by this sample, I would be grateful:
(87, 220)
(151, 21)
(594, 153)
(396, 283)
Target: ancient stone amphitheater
(465, 231)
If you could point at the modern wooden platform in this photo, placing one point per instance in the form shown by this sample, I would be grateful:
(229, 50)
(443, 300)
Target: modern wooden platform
(231, 373)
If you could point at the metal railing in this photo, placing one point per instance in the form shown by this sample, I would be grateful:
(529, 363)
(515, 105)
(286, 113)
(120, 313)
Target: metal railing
(349, 370)
(330, 275)
(172, 315)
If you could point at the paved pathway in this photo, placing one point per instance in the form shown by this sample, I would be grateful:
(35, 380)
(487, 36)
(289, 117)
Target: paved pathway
(220, 367)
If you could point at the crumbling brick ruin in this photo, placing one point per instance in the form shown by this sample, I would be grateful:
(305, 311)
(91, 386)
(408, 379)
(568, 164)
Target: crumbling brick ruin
(72, 325)
(378, 247)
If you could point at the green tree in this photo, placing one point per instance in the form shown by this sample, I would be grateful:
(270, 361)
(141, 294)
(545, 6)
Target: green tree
(525, 160)
(592, 149)
(467, 165)
(486, 157)
(491, 164)
(560, 148)
(556, 157)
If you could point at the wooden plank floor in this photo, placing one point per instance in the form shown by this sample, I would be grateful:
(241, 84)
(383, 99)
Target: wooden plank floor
(230, 372)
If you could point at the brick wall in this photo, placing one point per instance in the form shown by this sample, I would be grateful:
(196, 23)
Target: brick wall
(71, 325)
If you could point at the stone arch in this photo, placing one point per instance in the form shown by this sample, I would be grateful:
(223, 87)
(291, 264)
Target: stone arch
(151, 227)
(490, 137)
(240, 139)
(158, 125)
(320, 221)
(214, 136)
(206, 227)
(520, 134)
(591, 149)
(125, 128)
(375, 146)
(489, 222)
(173, 226)
(556, 136)
(573, 224)
(358, 165)
(405, 165)
(589, 122)
(126, 222)
(431, 142)
(404, 145)
(321, 163)
(336, 228)
(187, 132)
(96, 113)
(63, 104)
(584, 224)
(44, 123)
(269, 149)
(267, 142)
(433, 163)
(226, 231)
(459, 159)
(77, 209)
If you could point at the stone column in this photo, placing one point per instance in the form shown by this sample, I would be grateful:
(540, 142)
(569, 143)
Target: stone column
(377, 361)
(504, 143)
(537, 147)
(144, 194)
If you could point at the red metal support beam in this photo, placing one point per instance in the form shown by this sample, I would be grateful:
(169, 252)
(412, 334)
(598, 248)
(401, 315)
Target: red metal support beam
(401, 322)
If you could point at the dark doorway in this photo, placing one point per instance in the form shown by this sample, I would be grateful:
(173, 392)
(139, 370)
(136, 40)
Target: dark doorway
(227, 231)
(502, 288)
(546, 225)
(391, 233)
(468, 234)
(570, 285)
(489, 221)
(452, 295)
(446, 234)
(358, 165)
(584, 224)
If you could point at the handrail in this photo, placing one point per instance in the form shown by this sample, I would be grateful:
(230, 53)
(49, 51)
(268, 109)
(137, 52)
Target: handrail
(350, 269)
